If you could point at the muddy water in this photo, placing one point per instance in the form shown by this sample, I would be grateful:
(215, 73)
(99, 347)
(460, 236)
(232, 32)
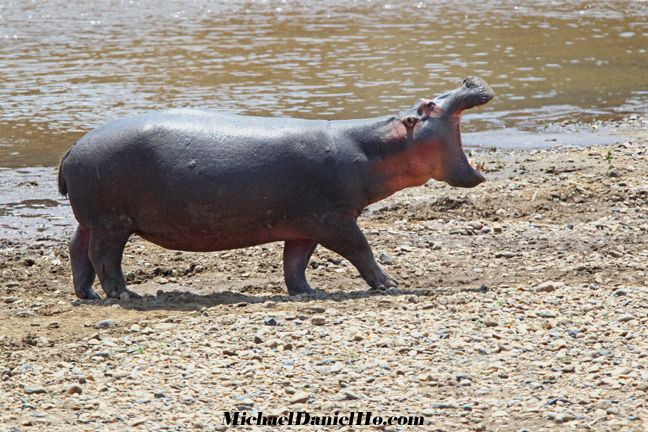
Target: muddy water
(66, 67)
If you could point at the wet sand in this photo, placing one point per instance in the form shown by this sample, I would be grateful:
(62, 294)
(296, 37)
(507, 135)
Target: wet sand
(521, 304)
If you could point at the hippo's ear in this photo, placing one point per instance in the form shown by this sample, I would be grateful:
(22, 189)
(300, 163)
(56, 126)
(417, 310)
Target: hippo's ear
(426, 107)
(409, 121)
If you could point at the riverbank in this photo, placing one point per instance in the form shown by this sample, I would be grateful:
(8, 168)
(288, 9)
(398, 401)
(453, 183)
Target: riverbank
(522, 304)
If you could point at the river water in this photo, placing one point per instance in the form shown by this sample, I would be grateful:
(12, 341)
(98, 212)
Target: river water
(67, 67)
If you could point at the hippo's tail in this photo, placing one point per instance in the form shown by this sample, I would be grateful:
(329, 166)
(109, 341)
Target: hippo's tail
(62, 186)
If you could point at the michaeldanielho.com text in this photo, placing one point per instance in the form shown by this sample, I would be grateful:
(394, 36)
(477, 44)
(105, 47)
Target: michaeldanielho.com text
(305, 419)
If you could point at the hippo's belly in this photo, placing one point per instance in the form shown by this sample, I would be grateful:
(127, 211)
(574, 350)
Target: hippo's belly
(203, 183)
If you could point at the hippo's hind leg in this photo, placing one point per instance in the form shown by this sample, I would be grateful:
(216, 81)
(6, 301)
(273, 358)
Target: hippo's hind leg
(83, 274)
(106, 251)
(295, 260)
(341, 234)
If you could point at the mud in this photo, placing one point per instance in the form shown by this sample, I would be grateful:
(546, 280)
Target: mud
(541, 272)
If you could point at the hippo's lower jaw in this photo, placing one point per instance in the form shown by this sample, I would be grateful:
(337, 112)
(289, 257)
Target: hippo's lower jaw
(467, 180)
(465, 175)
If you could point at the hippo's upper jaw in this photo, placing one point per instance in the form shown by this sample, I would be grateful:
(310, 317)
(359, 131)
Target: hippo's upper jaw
(472, 92)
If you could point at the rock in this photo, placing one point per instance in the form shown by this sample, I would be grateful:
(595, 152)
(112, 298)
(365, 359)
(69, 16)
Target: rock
(138, 421)
(626, 318)
(298, 398)
(34, 390)
(26, 421)
(505, 254)
(385, 259)
(621, 371)
(270, 322)
(548, 286)
(74, 389)
(118, 374)
(71, 404)
(107, 323)
(24, 313)
(257, 340)
(561, 417)
(347, 395)
(10, 300)
(318, 321)
(490, 322)
(545, 314)
(614, 173)
(163, 280)
(474, 225)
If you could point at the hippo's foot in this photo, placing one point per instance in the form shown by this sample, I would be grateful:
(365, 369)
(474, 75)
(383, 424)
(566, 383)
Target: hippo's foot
(302, 288)
(383, 283)
(88, 294)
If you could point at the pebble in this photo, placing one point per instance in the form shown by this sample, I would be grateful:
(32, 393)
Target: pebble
(548, 286)
(118, 374)
(475, 225)
(74, 389)
(505, 254)
(104, 324)
(24, 313)
(626, 318)
(318, 321)
(138, 421)
(545, 314)
(385, 259)
(34, 390)
(490, 322)
(299, 398)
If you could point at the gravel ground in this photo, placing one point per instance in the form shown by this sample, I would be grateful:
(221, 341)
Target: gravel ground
(522, 304)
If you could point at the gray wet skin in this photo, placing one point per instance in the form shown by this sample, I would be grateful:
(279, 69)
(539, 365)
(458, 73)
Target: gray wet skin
(205, 181)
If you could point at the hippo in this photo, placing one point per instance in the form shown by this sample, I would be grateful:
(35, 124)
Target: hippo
(196, 180)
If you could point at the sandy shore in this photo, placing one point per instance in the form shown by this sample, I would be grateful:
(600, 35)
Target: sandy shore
(523, 304)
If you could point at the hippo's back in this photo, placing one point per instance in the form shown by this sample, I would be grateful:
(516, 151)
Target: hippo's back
(199, 171)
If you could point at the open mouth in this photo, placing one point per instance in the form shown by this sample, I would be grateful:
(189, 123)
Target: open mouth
(472, 92)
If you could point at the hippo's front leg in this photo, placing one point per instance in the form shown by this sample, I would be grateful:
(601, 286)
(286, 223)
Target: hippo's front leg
(341, 234)
(295, 260)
